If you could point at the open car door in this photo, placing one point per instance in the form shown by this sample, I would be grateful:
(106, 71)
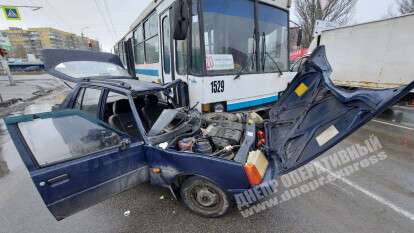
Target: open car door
(313, 114)
(76, 161)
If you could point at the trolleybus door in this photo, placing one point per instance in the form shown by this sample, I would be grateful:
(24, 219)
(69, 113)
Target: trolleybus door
(166, 48)
(129, 55)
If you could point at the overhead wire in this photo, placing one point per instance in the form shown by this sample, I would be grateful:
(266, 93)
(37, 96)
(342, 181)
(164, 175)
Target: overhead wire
(110, 18)
(105, 21)
(58, 17)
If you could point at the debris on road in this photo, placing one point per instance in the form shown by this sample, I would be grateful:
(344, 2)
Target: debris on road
(9, 102)
(127, 213)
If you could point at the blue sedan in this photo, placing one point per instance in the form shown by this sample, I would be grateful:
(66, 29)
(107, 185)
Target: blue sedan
(114, 132)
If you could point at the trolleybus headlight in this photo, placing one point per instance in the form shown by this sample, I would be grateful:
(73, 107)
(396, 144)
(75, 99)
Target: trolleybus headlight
(219, 108)
(205, 108)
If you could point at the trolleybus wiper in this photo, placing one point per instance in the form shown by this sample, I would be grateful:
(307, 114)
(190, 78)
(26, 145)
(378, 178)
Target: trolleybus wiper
(249, 60)
(241, 71)
(266, 54)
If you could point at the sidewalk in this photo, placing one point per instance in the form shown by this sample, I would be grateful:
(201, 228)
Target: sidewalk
(27, 87)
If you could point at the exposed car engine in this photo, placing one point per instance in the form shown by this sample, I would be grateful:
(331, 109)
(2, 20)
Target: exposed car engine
(230, 138)
(217, 139)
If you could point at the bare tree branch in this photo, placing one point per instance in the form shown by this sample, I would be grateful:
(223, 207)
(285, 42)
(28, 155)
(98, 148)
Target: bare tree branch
(406, 6)
(308, 11)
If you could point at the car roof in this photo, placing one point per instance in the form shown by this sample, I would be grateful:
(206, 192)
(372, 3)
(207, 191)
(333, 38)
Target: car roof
(135, 86)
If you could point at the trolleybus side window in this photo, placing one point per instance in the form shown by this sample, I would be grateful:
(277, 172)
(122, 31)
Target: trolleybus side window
(139, 46)
(121, 52)
(181, 56)
(151, 40)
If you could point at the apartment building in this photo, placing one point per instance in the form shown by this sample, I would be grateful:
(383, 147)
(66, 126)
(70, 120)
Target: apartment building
(33, 40)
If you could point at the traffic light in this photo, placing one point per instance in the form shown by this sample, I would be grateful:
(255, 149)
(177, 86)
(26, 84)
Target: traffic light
(3, 52)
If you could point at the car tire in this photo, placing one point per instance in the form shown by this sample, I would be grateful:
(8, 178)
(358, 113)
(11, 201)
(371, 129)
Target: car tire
(204, 198)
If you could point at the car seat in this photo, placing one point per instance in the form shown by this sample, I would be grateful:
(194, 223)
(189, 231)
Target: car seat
(123, 119)
(152, 109)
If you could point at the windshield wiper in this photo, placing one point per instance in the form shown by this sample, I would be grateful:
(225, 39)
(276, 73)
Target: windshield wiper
(249, 60)
(67, 85)
(243, 69)
(274, 62)
(266, 54)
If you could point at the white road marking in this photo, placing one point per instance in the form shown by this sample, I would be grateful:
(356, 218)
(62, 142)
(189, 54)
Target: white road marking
(398, 126)
(350, 193)
(374, 196)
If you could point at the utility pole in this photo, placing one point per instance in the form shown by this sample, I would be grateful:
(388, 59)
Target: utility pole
(83, 45)
(5, 66)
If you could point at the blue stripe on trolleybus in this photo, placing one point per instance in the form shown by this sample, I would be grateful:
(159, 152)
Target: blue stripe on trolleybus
(149, 72)
(251, 103)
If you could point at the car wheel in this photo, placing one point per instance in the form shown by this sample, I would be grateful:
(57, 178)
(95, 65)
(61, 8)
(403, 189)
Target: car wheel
(204, 198)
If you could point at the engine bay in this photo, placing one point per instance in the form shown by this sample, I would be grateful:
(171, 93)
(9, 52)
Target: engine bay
(224, 135)
(221, 139)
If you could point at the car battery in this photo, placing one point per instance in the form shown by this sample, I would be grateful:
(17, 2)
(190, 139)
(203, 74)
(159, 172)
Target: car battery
(231, 132)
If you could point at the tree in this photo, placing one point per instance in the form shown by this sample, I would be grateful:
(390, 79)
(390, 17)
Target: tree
(406, 6)
(308, 11)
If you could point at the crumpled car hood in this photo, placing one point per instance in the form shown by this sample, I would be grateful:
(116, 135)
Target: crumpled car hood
(313, 115)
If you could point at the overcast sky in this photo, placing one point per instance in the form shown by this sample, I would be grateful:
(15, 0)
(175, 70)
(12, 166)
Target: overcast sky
(108, 20)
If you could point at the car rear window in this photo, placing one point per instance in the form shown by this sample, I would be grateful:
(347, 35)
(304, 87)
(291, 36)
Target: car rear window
(82, 69)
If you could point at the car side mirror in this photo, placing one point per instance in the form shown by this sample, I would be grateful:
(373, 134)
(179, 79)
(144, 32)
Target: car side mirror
(300, 35)
(181, 21)
(124, 144)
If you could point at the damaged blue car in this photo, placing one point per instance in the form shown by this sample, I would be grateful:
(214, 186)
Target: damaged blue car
(114, 132)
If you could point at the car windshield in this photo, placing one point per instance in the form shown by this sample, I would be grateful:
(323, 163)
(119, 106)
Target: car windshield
(82, 69)
(230, 40)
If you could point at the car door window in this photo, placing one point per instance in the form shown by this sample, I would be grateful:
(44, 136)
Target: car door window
(88, 101)
(52, 140)
(118, 114)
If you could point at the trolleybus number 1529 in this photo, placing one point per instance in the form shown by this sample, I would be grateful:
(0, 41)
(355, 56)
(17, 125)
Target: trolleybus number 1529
(217, 86)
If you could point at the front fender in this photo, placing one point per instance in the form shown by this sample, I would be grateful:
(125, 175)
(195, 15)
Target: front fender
(228, 175)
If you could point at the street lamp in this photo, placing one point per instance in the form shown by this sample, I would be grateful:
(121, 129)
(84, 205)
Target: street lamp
(83, 29)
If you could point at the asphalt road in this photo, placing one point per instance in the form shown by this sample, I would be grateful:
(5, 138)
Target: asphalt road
(379, 198)
(27, 86)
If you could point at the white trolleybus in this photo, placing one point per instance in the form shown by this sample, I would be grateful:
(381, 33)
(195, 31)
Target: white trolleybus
(232, 54)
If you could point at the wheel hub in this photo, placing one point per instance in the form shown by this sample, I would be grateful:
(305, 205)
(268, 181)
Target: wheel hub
(206, 198)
